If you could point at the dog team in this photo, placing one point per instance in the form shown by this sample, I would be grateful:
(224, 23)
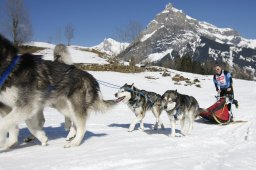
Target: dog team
(28, 84)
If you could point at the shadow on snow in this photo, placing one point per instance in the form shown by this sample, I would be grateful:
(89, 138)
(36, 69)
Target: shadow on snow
(52, 133)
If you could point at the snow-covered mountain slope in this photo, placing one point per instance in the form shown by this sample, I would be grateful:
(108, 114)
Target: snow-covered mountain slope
(111, 47)
(79, 54)
(109, 146)
(173, 33)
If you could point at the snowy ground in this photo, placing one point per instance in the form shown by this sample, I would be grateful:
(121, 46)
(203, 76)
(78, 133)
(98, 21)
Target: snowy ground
(109, 146)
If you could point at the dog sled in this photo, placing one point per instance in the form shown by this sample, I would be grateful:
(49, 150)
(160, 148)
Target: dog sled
(218, 113)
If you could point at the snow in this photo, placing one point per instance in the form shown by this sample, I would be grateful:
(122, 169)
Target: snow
(41, 44)
(109, 146)
(247, 43)
(111, 47)
(79, 54)
(218, 35)
(157, 56)
(145, 37)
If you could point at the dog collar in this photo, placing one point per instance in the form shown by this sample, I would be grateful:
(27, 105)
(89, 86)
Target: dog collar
(9, 70)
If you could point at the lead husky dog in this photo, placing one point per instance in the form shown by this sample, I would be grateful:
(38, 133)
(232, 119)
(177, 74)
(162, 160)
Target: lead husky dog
(180, 107)
(29, 83)
(139, 101)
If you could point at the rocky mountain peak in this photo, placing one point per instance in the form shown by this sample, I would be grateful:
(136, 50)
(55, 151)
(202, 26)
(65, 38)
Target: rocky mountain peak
(173, 33)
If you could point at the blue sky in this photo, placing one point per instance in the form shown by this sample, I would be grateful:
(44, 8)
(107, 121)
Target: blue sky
(94, 20)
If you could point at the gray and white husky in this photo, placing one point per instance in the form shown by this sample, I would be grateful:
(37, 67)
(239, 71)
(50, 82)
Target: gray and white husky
(60, 54)
(140, 101)
(29, 83)
(180, 107)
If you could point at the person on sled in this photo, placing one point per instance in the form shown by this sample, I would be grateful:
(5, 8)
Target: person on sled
(223, 82)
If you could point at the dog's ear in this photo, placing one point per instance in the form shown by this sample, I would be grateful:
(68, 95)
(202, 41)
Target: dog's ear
(176, 93)
(132, 85)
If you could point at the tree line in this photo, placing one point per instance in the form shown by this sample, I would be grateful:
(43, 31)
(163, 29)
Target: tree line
(187, 64)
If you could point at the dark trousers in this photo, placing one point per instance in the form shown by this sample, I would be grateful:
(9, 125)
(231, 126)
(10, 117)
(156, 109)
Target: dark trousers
(230, 95)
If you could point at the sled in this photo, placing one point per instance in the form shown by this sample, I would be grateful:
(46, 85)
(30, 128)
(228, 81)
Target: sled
(218, 112)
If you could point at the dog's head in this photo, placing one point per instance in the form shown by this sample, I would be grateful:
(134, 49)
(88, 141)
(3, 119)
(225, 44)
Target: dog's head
(125, 92)
(7, 51)
(169, 100)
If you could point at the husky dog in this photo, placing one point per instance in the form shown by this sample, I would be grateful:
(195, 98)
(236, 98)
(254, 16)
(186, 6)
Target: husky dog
(29, 83)
(139, 101)
(180, 107)
(61, 54)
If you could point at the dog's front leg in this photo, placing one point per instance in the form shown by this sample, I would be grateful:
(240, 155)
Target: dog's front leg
(10, 122)
(12, 140)
(37, 122)
(141, 125)
(132, 125)
(134, 122)
(35, 126)
(72, 132)
(13, 132)
(173, 124)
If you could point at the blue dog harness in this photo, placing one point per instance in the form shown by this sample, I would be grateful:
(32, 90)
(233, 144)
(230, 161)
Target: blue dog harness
(9, 70)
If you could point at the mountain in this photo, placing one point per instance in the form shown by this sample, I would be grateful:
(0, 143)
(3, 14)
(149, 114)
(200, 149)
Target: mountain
(111, 47)
(172, 33)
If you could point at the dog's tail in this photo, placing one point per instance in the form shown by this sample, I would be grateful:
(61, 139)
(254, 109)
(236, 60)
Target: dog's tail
(102, 105)
(61, 54)
(199, 110)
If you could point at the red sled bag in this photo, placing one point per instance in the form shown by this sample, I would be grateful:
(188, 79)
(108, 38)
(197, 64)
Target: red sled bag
(217, 113)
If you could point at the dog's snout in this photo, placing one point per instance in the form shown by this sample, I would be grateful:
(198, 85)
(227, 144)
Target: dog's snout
(115, 94)
(165, 107)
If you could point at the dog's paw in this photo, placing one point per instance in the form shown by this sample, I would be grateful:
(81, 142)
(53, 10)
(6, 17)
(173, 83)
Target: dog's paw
(179, 135)
(71, 145)
(130, 130)
(44, 141)
(141, 129)
(10, 145)
(67, 145)
(172, 135)
(44, 144)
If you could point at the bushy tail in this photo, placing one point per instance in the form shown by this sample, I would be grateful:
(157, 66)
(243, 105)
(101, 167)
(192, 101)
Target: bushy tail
(61, 54)
(104, 105)
(200, 110)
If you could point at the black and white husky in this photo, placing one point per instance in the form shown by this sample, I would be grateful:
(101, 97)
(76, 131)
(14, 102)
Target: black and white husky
(29, 83)
(140, 101)
(180, 107)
